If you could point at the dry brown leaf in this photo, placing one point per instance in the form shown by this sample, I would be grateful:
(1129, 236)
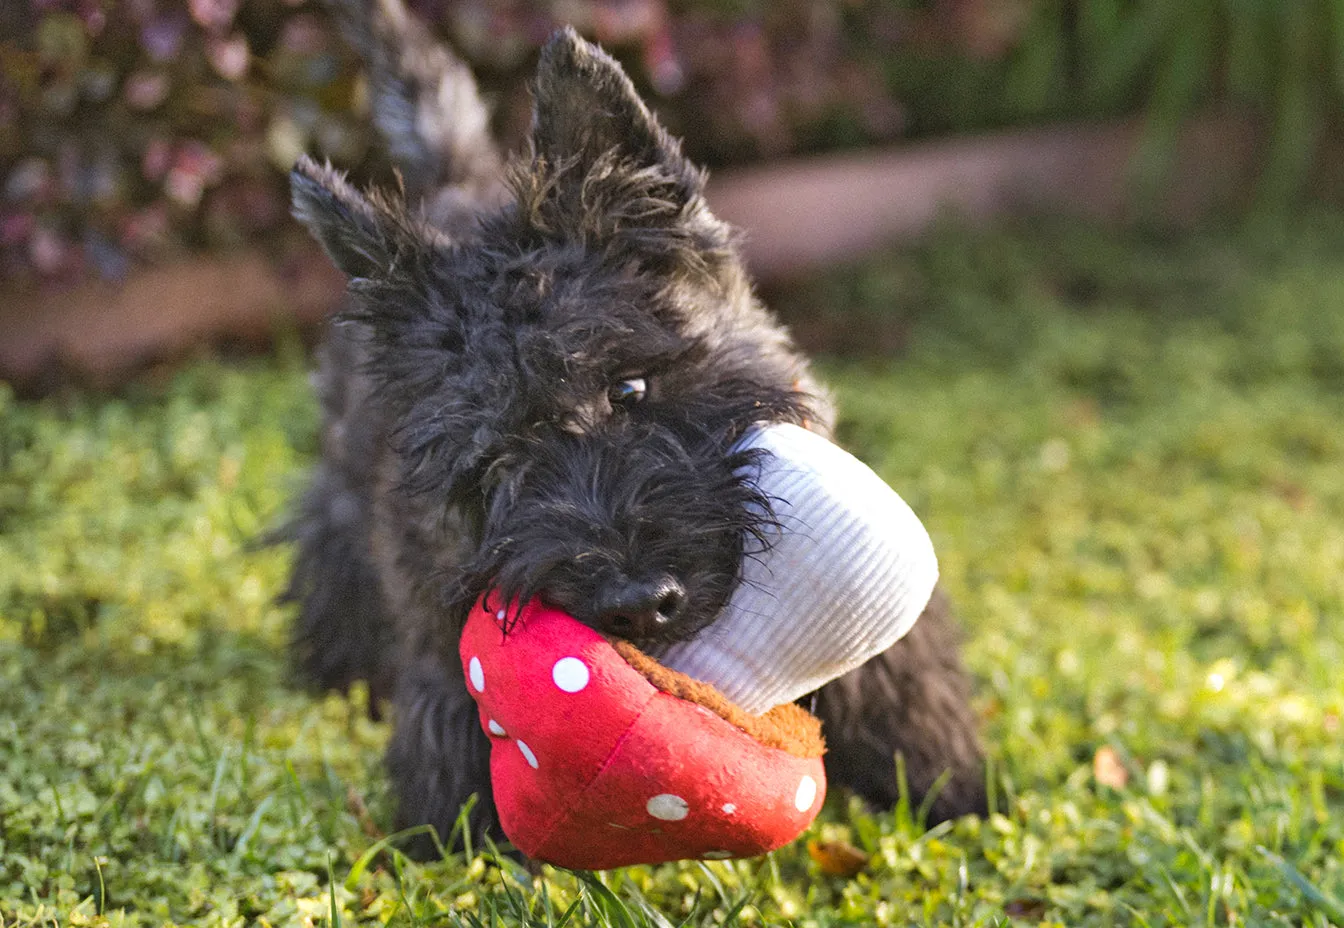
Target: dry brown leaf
(1029, 909)
(837, 858)
(354, 802)
(1108, 769)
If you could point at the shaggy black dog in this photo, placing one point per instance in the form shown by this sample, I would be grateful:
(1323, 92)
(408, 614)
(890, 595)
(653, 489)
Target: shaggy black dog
(536, 385)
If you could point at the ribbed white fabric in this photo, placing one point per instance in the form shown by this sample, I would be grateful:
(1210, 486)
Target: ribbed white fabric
(849, 572)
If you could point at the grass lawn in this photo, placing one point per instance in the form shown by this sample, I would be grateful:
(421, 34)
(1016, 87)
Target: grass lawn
(1129, 451)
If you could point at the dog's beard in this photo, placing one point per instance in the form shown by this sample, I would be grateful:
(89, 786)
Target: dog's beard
(586, 512)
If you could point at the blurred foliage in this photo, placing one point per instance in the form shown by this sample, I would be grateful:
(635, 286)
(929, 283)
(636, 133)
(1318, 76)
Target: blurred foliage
(1128, 453)
(130, 129)
(1024, 61)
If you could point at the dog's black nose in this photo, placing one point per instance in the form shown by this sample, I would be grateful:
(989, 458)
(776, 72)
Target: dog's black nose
(638, 609)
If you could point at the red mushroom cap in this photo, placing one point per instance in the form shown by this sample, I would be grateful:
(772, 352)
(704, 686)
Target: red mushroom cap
(594, 767)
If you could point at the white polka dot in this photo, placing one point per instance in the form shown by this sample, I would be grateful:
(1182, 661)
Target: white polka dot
(477, 674)
(528, 755)
(496, 729)
(806, 795)
(729, 808)
(570, 674)
(668, 807)
(500, 615)
(717, 855)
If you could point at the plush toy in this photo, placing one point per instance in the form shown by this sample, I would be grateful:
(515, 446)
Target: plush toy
(603, 756)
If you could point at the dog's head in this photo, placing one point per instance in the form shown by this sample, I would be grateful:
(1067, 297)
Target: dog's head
(571, 375)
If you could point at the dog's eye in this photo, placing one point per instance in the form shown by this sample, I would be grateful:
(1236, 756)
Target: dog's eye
(628, 392)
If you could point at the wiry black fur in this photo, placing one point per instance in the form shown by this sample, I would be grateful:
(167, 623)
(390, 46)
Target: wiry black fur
(472, 439)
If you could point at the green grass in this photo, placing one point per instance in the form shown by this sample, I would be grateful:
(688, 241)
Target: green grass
(1130, 453)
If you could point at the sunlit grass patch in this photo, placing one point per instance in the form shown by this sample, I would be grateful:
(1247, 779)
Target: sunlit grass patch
(1129, 453)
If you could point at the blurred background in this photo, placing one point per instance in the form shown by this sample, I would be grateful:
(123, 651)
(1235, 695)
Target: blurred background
(153, 136)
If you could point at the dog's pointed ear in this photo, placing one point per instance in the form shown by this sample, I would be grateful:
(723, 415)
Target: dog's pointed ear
(587, 108)
(361, 234)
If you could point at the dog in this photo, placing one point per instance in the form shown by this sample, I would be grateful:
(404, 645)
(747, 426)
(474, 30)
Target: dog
(536, 386)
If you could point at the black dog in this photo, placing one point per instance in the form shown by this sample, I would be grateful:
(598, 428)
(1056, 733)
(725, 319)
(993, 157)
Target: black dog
(536, 386)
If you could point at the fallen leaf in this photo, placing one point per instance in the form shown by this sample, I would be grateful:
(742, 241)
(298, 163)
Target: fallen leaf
(837, 858)
(1030, 909)
(354, 802)
(1108, 770)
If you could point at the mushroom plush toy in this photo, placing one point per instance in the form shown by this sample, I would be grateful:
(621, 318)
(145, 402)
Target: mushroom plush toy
(603, 756)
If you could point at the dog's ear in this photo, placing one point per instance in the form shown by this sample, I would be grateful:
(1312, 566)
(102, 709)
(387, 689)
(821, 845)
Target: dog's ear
(586, 108)
(362, 234)
(605, 172)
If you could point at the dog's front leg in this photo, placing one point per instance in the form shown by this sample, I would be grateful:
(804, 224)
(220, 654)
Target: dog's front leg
(912, 700)
(438, 757)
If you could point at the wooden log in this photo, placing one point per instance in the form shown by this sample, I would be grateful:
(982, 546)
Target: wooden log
(99, 331)
(804, 214)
